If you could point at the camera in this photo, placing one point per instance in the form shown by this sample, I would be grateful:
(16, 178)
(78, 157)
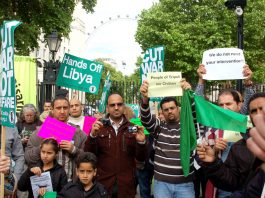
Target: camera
(105, 121)
(132, 129)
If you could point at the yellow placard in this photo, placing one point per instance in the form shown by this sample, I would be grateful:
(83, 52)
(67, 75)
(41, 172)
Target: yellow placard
(162, 84)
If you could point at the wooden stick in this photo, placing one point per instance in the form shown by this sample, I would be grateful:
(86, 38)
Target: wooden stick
(3, 148)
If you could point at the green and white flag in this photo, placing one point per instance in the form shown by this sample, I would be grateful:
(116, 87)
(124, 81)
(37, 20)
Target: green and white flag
(7, 74)
(80, 74)
(105, 94)
(153, 61)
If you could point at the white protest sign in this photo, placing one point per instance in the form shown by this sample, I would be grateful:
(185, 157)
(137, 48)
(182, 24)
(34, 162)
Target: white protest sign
(44, 180)
(223, 64)
(162, 84)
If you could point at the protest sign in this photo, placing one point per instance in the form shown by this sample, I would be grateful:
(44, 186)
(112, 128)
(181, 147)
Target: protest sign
(232, 136)
(7, 74)
(25, 75)
(44, 180)
(223, 64)
(135, 108)
(88, 122)
(80, 74)
(105, 94)
(153, 61)
(52, 128)
(164, 84)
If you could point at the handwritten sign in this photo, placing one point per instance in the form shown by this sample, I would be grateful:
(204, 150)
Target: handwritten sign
(164, 84)
(223, 64)
(56, 129)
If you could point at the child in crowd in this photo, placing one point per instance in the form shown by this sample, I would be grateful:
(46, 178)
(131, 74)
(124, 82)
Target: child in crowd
(48, 151)
(85, 186)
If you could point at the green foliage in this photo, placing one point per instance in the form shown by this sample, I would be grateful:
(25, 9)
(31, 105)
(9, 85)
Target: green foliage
(39, 16)
(189, 27)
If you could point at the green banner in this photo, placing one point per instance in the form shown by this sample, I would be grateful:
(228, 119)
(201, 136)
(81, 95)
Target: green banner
(153, 61)
(80, 74)
(7, 77)
(105, 94)
(25, 75)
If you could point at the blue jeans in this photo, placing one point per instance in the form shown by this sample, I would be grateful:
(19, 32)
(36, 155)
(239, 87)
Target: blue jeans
(145, 177)
(167, 190)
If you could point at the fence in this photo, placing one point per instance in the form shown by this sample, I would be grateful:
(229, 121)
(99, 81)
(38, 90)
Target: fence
(130, 91)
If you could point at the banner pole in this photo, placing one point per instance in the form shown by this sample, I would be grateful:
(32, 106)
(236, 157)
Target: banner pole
(3, 147)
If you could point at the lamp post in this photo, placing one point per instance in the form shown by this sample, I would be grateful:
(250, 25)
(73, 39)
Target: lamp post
(238, 6)
(51, 68)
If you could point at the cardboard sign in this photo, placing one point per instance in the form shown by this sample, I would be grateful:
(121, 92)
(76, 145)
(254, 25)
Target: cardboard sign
(7, 74)
(164, 84)
(52, 128)
(80, 74)
(223, 64)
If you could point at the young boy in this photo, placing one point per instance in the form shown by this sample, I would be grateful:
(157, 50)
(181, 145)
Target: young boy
(85, 186)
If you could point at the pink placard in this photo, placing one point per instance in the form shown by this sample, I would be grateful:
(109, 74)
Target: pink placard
(88, 124)
(56, 129)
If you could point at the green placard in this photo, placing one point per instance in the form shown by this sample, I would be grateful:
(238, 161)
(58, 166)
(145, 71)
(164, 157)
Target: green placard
(105, 94)
(153, 61)
(7, 74)
(80, 74)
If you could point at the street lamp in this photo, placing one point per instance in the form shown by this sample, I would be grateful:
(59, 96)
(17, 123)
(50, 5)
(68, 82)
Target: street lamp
(54, 43)
(238, 6)
(51, 68)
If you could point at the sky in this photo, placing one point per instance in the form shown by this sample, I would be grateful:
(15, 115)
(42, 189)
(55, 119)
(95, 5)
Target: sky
(115, 38)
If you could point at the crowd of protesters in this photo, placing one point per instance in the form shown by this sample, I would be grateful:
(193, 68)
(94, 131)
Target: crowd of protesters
(111, 156)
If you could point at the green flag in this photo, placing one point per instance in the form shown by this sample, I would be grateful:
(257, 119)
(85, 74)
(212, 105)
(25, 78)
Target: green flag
(211, 115)
(207, 114)
(187, 132)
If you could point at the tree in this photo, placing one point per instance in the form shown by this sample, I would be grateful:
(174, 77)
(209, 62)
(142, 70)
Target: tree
(189, 27)
(39, 16)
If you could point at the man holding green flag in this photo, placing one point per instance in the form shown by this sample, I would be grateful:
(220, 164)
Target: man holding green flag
(169, 177)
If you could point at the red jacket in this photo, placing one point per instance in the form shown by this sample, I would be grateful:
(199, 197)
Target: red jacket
(116, 158)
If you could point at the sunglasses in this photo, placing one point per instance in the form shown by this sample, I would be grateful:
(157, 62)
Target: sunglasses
(114, 104)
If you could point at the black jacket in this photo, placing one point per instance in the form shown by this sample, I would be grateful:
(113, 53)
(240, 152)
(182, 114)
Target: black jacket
(235, 172)
(76, 189)
(58, 177)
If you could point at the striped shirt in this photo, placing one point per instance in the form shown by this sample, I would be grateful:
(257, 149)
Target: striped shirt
(167, 164)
